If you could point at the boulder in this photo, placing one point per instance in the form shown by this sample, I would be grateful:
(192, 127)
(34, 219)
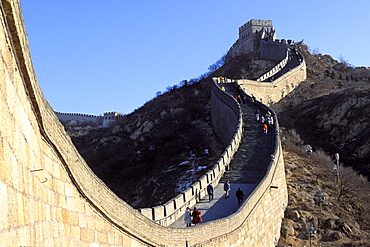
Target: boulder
(292, 214)
(346, 229)
(330, 224)
(337, 236)
(287, 231)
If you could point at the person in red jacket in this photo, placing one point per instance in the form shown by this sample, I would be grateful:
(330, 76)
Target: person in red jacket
(265, 128)
(196, 216)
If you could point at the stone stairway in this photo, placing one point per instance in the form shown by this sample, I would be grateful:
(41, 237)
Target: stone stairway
(251, 160)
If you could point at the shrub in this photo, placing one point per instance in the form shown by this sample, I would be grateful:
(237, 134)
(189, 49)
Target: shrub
(322, 158)
(350, 182)
(293, 142)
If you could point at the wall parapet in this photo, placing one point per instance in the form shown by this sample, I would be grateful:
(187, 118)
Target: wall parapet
(275, 69)
(172, 210)
(103, 121)
(77, 114)
(271, 92)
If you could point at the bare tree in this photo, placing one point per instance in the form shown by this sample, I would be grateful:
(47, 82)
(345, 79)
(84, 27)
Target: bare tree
(350, 182)
(345, 61)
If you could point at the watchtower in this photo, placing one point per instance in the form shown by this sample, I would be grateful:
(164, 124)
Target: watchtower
(250, 35)
(110, 117)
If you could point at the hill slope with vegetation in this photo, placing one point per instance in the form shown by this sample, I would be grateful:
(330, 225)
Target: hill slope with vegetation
(331, 110)
(155, 152)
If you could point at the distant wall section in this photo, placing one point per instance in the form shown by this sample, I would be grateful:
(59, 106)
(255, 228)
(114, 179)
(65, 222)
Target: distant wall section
(272, 49)
(271, 92)
(103, 121)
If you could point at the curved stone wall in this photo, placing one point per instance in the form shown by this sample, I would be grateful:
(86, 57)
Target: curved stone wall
(42, 202)
(49, 195)
(271, 92)
(275, 69)
(228, 123)
(226, 113)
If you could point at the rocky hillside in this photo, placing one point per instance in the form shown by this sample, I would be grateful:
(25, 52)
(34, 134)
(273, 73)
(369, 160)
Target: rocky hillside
(159, 149)
(154, 153)
(149, 156)
(340, 217)
(331, 110)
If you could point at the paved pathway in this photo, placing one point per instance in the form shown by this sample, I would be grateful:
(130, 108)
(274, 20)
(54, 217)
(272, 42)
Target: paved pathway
(246, 169)
(219, 207)
(251, 160)
(292, 63)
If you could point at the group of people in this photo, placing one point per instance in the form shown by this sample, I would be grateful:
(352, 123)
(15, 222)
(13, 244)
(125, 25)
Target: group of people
(268, 33)
(267, 121)
(239, 193)
(240, 98)
(193, 216)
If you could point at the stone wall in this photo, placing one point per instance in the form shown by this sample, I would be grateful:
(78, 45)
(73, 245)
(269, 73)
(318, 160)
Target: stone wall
(228, 124)
(226, 113)
(272, 49)
(86, 118)
(276, 69)
(49, 195)
(104, 121)
(271, 92)
(265, 204)
(40, 202)
(249, 37)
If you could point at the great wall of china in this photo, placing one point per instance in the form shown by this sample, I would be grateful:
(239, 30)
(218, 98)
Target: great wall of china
(103, 121)
(49, 194)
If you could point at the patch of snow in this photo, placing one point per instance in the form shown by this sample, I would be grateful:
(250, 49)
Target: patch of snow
(184, 162)
(182, 186)
(188, 177)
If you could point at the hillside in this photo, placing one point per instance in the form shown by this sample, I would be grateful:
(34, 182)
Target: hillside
(342, 218)
(149, 156)
(153, 153)
(331, 110)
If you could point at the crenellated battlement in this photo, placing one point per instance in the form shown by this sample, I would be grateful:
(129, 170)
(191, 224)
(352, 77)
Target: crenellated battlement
(103, 121)
(258, 36)
(77, 115)
(255, 23)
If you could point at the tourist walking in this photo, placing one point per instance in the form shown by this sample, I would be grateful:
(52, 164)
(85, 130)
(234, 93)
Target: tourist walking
(265, 128)
(253, 100)
(187, 217)
(257, 115)
(239, 195)
(196, 216)
(270, 122)
(210, 191)
(227, 189)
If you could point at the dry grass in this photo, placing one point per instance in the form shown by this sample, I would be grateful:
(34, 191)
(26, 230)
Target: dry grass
(346, 198)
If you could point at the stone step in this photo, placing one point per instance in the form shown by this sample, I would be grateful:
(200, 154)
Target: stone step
(250, 162)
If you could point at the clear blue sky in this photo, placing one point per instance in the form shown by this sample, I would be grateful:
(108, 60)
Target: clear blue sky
(94, 56)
